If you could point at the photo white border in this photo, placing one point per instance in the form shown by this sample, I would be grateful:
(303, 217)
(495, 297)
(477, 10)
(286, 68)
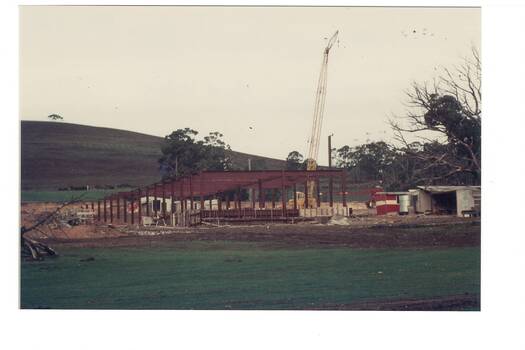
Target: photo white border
(498, 325)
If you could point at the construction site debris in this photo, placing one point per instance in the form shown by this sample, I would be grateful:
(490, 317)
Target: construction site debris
(339, 220)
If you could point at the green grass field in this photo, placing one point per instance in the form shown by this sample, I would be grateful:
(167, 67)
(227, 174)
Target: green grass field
(64, 196)
(243, 275)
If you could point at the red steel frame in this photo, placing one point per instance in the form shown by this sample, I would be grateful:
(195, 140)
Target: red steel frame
(211, 184)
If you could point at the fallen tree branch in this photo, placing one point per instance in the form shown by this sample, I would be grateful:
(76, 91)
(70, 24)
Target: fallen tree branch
(36, 250)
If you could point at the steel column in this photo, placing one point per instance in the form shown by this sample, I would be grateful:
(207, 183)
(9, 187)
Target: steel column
(201, 193)
(191, 195)
(140, 206)
(182, 200)
(343, 187)
(105, 215)
(111, 209)
(283, 195)
(172, 196)
(273, 197)
(147, 201)
(125, 205)
(306, 194)
(132, 210)
(98, 209)
(155, 200)
(261, 194)
(118, 207)
(294, 196)
(163, 209)
(239, 200)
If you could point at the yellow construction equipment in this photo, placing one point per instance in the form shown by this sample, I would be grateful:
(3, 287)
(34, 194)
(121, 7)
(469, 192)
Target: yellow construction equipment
(315, 137)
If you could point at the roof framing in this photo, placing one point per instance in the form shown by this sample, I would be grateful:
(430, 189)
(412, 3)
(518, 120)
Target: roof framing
(206, 183)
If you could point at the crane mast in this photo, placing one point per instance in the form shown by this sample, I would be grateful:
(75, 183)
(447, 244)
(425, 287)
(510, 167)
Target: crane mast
(320, 97)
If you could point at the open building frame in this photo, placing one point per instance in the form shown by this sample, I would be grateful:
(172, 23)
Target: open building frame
(217, 194)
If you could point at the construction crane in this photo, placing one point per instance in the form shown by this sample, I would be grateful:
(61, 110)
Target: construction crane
(315, 136)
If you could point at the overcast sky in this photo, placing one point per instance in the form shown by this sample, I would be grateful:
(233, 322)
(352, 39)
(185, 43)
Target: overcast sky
(157, 69)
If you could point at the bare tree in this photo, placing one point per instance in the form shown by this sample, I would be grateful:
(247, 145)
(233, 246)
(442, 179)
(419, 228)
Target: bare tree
(445, 118)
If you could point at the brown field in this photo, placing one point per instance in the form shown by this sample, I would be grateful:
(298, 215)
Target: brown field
(57, 154)
(429, 233)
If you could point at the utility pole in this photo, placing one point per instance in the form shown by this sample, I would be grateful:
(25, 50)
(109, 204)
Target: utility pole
(330, 151)
(330, 180)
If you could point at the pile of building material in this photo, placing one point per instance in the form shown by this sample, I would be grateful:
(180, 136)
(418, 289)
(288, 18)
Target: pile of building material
(340, 220)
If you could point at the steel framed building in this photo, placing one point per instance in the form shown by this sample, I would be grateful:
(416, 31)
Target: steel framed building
(217, 194)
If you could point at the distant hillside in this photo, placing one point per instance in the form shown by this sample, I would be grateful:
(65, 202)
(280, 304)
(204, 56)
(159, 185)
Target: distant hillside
(55, 155)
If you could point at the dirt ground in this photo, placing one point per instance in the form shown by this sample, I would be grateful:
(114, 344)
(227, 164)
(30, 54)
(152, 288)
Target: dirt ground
(466, 233)
(360, 232)
(31, 212)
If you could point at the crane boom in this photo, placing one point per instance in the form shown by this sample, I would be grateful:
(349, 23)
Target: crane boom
(320, 97)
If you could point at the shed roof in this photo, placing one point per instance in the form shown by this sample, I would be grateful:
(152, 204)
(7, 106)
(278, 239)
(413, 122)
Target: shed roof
(444, 189)
(395, 193)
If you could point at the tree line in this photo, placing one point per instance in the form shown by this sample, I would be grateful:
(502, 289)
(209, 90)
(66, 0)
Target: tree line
(437, 141)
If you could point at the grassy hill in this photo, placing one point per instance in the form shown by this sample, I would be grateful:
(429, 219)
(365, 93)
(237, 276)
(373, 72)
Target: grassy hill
(55, 155)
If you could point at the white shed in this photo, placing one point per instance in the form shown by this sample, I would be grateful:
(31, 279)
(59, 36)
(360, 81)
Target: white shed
(456, 200)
